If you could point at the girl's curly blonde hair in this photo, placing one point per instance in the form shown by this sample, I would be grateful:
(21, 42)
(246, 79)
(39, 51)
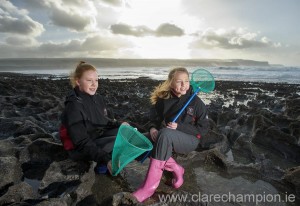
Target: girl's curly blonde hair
(163, 90)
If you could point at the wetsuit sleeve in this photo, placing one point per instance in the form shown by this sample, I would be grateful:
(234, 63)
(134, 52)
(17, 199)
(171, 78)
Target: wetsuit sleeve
(201, 125)
(77, 131)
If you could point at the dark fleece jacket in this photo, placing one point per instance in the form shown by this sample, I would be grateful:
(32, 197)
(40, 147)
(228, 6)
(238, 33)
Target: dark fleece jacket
(86, 118)
(192, 121)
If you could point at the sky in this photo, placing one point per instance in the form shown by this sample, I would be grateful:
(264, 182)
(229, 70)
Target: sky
(262, 30)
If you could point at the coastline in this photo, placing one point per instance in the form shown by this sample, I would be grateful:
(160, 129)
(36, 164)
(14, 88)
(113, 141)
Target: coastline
(111, 62)
(226, 73)
(254, 132)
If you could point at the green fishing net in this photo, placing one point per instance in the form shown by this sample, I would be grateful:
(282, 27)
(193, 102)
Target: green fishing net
(202, 79)
(129, 144)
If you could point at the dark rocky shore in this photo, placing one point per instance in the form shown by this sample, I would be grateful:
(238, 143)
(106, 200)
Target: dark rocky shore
(253, 146)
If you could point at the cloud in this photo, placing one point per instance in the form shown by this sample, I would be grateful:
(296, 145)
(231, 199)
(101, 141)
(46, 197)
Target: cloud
(17, 41)
(101, 43)
(76, 15)
(169, 30)
(70, 20)
(164, 30)
(15, 21)
(231, 39)
(93, 46)
(125, 29)
(114, 2)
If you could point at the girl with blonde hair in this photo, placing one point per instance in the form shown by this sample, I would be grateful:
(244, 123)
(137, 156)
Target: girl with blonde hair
(88, 130)
(181, 136)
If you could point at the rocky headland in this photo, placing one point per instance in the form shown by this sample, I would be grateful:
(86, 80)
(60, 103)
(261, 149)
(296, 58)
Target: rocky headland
(253, 146)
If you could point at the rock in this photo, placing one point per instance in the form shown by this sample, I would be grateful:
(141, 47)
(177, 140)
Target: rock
(10, 172)
(45, 150)
(54, 202)
(87, 181)
(242, 150)
(293, 107)
(292, 176)
(7, 127)
(213, 140)
(28, 128)
(68, 179)
(7, 148)
(274, 139)
(18, 193)
(260, 122)
(294, 127)
(225, 117)
(124, 198)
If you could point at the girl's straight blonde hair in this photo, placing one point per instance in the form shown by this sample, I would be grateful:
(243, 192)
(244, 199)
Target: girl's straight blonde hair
(163, 90)
(81, 67)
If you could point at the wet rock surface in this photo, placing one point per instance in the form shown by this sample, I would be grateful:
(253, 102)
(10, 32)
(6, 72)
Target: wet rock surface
(252, 148)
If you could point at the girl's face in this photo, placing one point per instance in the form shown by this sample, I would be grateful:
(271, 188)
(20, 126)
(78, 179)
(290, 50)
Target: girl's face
(180, 84)
(88, 82)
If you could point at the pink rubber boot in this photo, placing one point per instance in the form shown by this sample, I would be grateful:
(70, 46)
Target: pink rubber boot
(152, 180)
(177, 171)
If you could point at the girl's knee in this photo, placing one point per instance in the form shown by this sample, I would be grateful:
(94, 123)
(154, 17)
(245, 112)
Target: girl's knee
(165, 134)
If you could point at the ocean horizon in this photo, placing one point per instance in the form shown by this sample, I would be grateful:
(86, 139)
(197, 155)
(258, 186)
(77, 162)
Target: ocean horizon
(228, 70)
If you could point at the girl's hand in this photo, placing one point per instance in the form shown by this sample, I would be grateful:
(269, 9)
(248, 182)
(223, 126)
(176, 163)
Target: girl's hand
(125, 123)
(109, 167)
(172, 125)
(153, 134)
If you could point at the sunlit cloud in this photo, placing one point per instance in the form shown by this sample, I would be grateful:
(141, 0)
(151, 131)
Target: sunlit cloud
(92, 46)
(231, 39)
(115, 2)
(165, 29)
(169, 30)
(125, 29)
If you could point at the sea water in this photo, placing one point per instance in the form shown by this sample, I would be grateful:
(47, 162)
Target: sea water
(63, 67)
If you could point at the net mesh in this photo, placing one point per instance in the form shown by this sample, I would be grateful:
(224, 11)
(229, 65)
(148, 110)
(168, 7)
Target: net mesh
(129, 144)
(203, 79)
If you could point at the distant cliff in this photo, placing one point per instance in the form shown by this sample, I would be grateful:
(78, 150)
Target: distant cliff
(176, 62)
(19, 64)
